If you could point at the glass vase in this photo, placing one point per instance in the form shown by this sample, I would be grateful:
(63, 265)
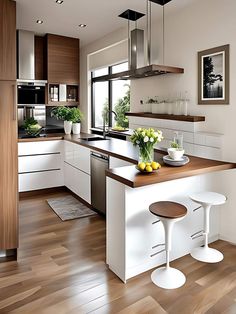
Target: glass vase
(146, 154)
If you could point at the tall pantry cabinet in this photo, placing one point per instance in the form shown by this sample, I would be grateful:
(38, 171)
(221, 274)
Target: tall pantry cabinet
(8, 130)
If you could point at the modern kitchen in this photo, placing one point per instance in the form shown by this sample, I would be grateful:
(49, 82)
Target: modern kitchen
(118, 158)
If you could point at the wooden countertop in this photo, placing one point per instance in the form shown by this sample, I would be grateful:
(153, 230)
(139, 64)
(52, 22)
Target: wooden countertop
(131, 177)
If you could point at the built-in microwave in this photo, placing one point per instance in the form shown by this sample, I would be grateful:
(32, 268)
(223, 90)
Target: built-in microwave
(31, 94)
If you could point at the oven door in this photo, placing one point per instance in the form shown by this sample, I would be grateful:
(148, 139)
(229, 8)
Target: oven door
(31, 95)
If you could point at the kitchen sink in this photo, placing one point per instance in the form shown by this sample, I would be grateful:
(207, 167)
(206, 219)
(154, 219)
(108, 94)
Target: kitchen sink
(95, 138)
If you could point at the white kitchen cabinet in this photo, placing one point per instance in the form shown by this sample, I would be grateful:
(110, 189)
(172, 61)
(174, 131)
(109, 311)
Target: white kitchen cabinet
(77, 156)
(40, 165)
(39, 147)
(78, 182)
(39, 162)
(40, 180)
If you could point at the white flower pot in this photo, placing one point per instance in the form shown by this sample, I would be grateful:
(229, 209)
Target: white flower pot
(67, 127)
(76, 128)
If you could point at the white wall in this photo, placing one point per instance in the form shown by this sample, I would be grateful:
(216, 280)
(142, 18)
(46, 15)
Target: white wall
(201, 25)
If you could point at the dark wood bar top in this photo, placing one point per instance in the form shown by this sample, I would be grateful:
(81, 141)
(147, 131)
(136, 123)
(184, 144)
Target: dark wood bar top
(131, 177)
(166, 116)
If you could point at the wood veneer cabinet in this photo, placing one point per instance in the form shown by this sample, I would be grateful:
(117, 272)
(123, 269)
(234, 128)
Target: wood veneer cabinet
(40, 58)
(7, 40)
(62, 59)
(8, 129)
(8, 167)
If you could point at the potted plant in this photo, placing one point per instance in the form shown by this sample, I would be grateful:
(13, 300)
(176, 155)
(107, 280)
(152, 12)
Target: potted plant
(64, 114)
(145, 139)
(76, 118)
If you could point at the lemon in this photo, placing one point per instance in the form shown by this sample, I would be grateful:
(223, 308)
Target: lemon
(155, 165)
(141, 166)
(148, 163)
(148, 168)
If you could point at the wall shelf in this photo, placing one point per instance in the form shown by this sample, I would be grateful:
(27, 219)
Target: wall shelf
(166, 116)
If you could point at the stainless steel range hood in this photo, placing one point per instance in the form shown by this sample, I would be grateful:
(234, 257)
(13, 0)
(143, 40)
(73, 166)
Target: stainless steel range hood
(136, 50)
(26, 57)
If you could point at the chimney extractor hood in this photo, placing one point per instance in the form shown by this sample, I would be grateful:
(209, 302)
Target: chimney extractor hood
(26, 57)
(136, 50)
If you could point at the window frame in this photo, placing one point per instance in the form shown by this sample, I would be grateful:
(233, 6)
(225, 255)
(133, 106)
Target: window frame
(110, 95)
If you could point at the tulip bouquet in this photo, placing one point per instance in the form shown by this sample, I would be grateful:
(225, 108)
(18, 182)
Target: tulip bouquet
(145, 139)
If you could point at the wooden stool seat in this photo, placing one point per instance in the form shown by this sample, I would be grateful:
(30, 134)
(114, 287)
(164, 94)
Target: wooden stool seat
(167, 209)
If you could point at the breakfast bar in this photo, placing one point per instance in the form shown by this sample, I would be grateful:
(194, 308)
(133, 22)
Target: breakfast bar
(134, 236)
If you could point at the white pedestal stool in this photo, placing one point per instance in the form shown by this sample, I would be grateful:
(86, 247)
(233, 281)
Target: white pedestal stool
(206, 200)
(168, 213)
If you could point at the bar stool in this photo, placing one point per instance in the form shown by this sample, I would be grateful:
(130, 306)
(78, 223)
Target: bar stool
(206, 200)
(169, 213)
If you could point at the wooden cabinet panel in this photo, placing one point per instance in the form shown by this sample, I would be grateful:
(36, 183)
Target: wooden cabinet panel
(62, 59)
(40, 58)
(8, 167)
(7, 40)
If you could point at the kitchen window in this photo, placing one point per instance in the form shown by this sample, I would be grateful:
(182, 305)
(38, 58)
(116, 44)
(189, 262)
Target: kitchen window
(110, 95)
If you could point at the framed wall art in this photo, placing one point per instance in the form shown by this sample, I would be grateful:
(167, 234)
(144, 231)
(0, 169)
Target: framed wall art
(213, 76)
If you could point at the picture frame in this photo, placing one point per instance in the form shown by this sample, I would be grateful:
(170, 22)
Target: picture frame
(213, 76)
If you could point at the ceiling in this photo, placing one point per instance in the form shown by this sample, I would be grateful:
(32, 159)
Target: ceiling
(101, 16)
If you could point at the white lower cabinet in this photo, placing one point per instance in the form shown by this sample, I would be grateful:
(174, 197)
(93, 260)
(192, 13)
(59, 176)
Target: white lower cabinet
(78, 182)
(40, 165)
(40, 180)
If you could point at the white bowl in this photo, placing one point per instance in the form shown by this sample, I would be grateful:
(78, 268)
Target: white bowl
(175, 153)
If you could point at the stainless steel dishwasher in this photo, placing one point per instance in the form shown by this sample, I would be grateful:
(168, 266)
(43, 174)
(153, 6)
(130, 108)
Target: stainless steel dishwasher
(99, 164)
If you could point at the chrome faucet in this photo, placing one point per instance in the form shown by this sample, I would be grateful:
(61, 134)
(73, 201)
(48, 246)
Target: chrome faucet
(105, 132)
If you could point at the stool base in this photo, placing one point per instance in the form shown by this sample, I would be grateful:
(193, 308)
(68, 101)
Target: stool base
(207, 255)
(168, 278)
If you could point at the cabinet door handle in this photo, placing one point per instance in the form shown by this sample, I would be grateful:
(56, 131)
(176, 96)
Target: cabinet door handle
(14, 102)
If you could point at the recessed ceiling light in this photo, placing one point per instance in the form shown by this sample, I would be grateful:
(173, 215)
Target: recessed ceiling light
(39, 22)
(59, 1)
(82, 25)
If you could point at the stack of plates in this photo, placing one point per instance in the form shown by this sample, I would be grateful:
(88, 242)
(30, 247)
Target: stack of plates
(176, 163)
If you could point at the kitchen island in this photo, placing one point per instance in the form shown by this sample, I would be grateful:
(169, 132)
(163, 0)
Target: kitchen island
(135, 236)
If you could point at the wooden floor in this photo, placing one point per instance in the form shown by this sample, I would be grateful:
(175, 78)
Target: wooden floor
(61, 269)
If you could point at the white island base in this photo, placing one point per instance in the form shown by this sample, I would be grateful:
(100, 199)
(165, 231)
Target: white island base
(134, 235)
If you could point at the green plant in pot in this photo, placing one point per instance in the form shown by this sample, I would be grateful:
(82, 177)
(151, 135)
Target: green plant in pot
(76, 118)
(63, 113)
(32, 127)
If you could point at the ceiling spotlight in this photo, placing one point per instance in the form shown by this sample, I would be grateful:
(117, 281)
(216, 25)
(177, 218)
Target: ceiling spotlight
(59, 1)
(82, 25)
(39, 22)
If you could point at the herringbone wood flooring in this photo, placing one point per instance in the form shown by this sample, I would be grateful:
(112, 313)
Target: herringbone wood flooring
(61, 269)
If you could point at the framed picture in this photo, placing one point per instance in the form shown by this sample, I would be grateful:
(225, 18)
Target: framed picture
(213, 76)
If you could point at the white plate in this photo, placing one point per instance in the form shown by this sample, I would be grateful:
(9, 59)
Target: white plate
(175, 163)
(167, 157)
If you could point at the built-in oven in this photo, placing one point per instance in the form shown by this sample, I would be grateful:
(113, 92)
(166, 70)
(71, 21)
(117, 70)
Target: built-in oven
(31, 102)
(30, 94)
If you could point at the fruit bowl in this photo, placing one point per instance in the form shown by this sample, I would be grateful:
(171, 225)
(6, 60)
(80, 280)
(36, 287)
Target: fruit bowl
(148, 167)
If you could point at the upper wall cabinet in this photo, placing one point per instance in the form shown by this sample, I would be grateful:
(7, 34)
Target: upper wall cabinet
(62, 59)
(7, 40)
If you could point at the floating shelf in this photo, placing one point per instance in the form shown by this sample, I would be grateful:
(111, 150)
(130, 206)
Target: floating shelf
(166, 116)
